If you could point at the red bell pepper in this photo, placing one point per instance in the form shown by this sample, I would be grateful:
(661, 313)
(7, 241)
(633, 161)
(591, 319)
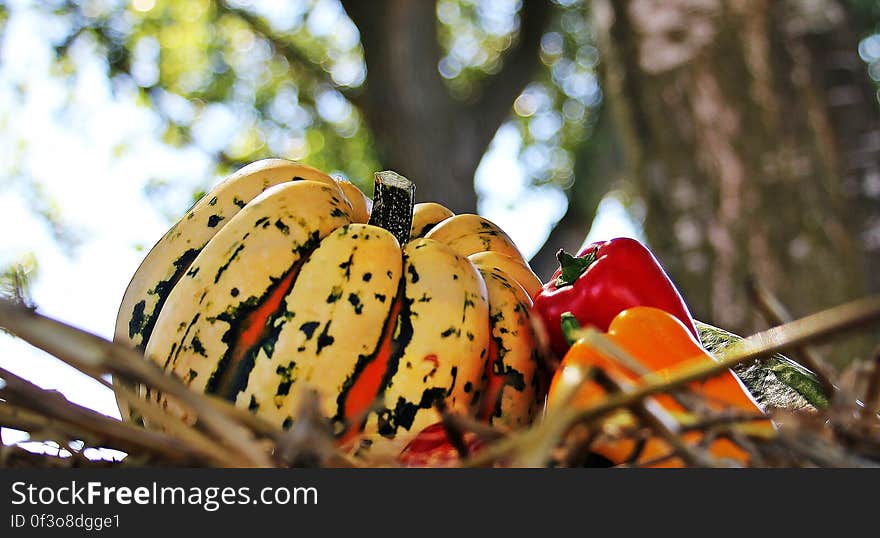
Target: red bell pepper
(605, 279)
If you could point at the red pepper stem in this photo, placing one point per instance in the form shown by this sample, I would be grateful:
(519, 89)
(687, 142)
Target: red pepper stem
(572, 267)
(571, 328)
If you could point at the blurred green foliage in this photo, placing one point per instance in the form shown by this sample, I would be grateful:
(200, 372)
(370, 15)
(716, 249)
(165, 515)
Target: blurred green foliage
(218, 82)
(16, 278)
(244, 80)
(866, 14)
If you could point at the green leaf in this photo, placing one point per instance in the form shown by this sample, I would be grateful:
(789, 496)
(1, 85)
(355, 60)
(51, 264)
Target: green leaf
(787, 380)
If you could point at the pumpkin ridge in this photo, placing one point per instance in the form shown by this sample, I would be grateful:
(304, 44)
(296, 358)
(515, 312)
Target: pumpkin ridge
(494, 384)
(142, 323)
(220, 303)
(507, 394)
(248, 332)
(360, 389)
(193, 231)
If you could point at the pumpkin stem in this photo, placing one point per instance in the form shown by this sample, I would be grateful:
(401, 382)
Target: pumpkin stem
(393, 199)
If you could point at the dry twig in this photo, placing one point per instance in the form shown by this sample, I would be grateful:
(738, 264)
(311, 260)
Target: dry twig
(85, 424)
(776, 314)
(96, 356)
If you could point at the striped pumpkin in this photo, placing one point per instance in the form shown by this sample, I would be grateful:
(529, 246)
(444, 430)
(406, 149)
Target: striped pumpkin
(277, 280)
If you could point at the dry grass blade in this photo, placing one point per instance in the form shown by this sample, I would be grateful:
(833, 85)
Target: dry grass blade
(726, 418)
(453, 432)
(251, 421)
(177, 428)
(776, 313)
(872, 393)
(803, 445)
(533, 447)
(611, 349)
(17, 457)
(92, 354)
(468, 424)
(659, 420)
(256, 424)
(310, 442)
(39, 425)
(83, 423)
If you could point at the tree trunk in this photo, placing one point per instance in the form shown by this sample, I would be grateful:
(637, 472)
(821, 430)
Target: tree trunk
(751, 131)
(421, 131)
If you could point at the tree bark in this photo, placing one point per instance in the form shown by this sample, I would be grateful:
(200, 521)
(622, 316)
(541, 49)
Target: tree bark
(421, 131)
(753, 134)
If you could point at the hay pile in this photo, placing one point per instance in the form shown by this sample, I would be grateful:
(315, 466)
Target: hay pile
(845, 433)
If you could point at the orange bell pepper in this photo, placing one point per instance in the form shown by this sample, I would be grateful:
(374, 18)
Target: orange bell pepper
(659, 341)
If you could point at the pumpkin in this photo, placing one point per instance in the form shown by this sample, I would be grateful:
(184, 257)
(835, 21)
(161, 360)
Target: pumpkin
(283, 278)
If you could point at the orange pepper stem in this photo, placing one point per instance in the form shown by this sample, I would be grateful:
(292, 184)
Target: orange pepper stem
(571, 328)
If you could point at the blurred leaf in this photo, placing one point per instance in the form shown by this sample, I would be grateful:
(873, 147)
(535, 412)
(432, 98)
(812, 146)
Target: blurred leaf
(16, 279)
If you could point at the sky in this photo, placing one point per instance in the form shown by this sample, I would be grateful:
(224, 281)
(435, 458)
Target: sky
(90, 151)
